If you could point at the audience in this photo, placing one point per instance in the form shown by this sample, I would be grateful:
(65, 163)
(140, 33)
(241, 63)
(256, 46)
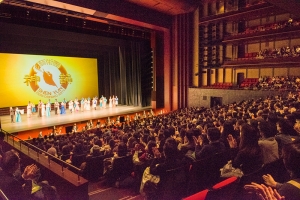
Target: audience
(289, 190)
(246, 128)
(267, 143)
(10, 184)
(247, 155)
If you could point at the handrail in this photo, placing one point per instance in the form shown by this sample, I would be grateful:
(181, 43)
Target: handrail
(2, 195)
(39, 151)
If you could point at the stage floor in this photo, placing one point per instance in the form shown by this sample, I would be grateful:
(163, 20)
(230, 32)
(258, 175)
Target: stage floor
(35, 122)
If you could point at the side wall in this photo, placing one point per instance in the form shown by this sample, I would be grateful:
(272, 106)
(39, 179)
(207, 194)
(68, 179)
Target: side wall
(202, 97)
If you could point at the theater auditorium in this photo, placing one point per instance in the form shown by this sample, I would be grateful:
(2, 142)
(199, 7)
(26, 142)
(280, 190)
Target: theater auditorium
(149, 99)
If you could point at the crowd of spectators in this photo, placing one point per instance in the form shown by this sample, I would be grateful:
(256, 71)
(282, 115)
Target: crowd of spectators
(291, 83)
(253, 131)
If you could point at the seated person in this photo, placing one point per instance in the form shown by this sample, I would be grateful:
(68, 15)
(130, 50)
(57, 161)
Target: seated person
(214, 146)
(290, 190)
(10, 184)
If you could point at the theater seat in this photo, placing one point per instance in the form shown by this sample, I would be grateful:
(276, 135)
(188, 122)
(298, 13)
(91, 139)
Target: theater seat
(198, 196)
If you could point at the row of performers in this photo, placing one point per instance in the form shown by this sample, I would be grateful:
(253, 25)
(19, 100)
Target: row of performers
(76, 105)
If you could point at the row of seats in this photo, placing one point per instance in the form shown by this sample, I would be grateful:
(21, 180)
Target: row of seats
(247, 82)
(220, 86)
(232, 188)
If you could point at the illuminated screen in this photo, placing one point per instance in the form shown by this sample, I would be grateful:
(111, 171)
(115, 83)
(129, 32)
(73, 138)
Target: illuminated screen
(35, 77)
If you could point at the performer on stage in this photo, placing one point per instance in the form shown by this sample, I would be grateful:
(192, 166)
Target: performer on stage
(71, 106)
(49, 101)
(40, 108)
(113, 101)
(104, 102)
(18, 115)
(110, 102)
(56, 105)
(62, 108)
(29, 109)
(88, 104)
(101, 102)
(82, 105)
(76, 103)
(48, 109)
(43, 109)
(12, 114)
(33, 110)
(95, 103)
(116, 101)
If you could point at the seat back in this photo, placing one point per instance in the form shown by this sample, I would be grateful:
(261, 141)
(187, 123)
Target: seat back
(224, 190)
(122, 166)
(173, 184)
(94, 167)
(205, 173)
(77, 160)
(277, 170)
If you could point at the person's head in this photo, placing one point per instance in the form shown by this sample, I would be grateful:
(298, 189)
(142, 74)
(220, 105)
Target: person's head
(213, 134)
(10, 161)
(150, 145)
(249, 137)
(189, 135)
(170, 148)
(122, 149)
(285, 127)
(267, 129)
(291, 158)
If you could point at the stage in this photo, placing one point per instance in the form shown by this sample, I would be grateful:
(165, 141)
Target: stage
(35, 122)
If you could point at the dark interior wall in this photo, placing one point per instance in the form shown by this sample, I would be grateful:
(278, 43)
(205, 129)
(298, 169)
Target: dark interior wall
(33, 40)
(160, 70)
(23, 39)
(125, 9)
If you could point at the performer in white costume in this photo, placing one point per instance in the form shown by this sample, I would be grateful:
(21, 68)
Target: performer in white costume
(110, 102)
(71, 106)
(77, 108)
(29, 109)
(88, 105)
(43, 109)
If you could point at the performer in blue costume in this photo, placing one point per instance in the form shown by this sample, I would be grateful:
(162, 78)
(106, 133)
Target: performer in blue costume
(48, 109)
(101, 102)
(18, 115)
(62, 108)
(33, 110)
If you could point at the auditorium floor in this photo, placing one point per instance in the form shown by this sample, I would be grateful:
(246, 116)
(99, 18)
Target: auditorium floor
(99, 191)
(35, 122)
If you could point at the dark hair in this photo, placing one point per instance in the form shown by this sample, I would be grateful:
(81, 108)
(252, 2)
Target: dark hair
(170, 148)
(268, 129)
(9, 160)
(228, 129)
(286, 127)
(189, 135)
(249, 137)
(213, 134)
(150, 145)
(291, 157)
(122, 149)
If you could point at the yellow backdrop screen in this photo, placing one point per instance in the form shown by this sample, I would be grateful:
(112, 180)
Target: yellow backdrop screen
(36, 77)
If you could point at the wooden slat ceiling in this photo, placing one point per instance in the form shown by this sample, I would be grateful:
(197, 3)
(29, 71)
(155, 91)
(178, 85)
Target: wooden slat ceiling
(171, 7)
